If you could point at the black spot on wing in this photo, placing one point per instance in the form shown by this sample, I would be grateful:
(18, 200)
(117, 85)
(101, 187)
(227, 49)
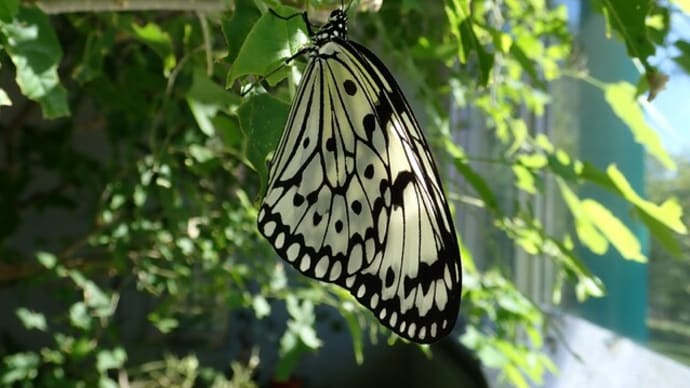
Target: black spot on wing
(390, 277)
(356, 206)
(369, 124)
(369, 171)
(350, 87)
(330, 144)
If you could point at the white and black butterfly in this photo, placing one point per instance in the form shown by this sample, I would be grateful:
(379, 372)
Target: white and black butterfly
(354, 197)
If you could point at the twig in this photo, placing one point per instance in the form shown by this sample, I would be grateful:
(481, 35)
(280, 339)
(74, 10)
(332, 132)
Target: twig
(69, 6)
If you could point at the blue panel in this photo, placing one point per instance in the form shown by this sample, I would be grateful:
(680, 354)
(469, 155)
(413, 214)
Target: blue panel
(604, 139)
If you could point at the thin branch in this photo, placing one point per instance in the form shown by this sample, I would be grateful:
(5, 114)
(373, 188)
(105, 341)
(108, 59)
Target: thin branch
(68, 6)
(207, 42)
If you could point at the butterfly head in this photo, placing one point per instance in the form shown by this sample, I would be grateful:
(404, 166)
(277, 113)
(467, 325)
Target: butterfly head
(336, 27)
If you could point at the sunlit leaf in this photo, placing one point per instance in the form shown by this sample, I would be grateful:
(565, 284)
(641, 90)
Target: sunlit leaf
(46, 259)
(4, 98)
(584, 225)
(21, 366)
(684, 5)
(79, 316)
(110, 359)
(615, 231)
(668, 213)
(31, 43)
(31, 319)
(261, 307)
(621, 97)
(270, 42)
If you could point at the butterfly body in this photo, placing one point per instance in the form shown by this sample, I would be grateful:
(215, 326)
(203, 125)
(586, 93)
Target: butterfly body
(354, 197)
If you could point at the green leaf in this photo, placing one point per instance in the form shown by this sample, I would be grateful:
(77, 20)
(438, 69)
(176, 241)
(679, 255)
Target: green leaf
(524, 179)
(355, 332)
(162, 323)
(46, 259)
(668, 213)
(658, 25)
(206, 98)
(477, 181)
(621, 97)
(588, 286)
(98, 45)
(683, 60)
(20, 367)
(588, 235)
(262, 118)
(79, 316)
(615, 231)
(110, 359)
(291, 351)
(159, 41)
(4, 98)
(261, 307)
(31, 43)
(107, 382)
(299, 338)
(462, 28)
(8, 9)
(270, 42)
(32, 320)
(627, 17)
(76, 348)
(528, 65)
(237, 28)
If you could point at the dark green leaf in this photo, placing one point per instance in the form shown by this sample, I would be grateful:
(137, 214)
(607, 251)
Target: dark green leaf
(628, 18)
(153, 36)
(98, 44)
(478, 183)
(527, 65)
(262, 118)
(8, 8)
(237, 28)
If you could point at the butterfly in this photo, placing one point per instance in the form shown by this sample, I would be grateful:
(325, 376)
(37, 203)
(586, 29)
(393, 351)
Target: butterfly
(354, 196)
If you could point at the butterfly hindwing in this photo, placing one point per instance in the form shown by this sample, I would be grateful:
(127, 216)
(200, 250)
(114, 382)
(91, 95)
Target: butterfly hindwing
(354, 197)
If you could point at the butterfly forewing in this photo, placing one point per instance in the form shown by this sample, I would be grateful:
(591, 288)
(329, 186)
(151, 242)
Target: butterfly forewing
(354, 197)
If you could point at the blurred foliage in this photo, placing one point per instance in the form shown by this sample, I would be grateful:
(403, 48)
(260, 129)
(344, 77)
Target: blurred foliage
(146, 143)
(669, 313)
